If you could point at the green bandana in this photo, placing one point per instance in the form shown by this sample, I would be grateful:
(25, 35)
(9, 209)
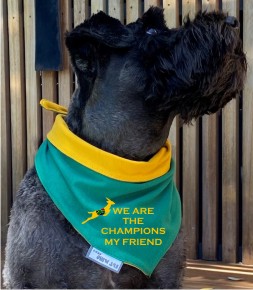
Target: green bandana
(127, 209)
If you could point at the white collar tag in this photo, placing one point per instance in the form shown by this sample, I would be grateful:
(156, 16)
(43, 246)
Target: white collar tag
(104, 260)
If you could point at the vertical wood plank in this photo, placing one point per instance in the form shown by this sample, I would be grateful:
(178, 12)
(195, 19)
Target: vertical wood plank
(32, 81)
(191, 169)
(17, 92)
(230, 166)
(247, 175)
(98, 5)
(116, 9)
(65, 76)
(210, 5)
(175, 147)
(148, 3)
(5, 125)
(210, 175)
(49, 91)
(210, 186)
(81, 11)
(133, 10)
(171, 15)
(190, 7)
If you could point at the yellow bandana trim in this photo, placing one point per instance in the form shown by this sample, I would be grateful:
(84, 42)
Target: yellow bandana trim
(50, 106)
(104, 162)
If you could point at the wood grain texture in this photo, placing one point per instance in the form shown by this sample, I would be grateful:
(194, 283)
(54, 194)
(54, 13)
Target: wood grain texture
(210, 174)
(81, 11)
(65, 76)
(247, 174)
(210, 5)
(116, 9)
(171, 13)
(32, 84)
(190, 7)
(191, 170)
(191, 187)
(98, 5)
(210, 186)
(171, 16)
(230, 168)
(133, 10)
(214, 275)
(148, 3)
(17, 92)
(5, 125)
(49, 91)
(175, 147)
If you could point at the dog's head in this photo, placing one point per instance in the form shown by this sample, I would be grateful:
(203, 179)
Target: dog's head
(146, 72)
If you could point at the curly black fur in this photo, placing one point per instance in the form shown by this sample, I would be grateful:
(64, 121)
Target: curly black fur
(132, 81)
(198, 69)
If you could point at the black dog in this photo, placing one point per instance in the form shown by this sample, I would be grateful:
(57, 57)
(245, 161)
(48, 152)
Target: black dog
(133, 80)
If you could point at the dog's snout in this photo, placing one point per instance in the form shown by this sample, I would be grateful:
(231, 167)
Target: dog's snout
(232, 21)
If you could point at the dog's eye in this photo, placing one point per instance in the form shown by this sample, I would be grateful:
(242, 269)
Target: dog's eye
(151, 31)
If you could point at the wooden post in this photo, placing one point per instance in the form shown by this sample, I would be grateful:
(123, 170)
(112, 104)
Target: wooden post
(148, 3)
(98, 5)
(210, 175)
(49, 92)
(191, 169)
(171, 15)
(116, 9)
(247, 173)
(5, 125)
(32, 81)
(17, 92)
(210, 5)
(81, 11)
(133, 10)
(210, 187)
(230, 167)
(65, 77)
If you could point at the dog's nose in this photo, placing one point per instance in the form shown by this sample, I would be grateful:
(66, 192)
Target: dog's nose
(232, 21)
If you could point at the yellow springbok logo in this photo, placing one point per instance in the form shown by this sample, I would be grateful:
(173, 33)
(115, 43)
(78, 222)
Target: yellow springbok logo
(103, 211)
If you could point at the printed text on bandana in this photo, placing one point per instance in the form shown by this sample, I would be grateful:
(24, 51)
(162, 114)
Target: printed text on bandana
(135, 230)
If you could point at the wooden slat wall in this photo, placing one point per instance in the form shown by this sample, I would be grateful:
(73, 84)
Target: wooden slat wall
(81, 11)
(17, 91)
(230, 167)
(6, 184)
(210, 175)
(191, 168)
(133, 10)
(247, 172)
(148, 3)
(116, 9)
(171, 12)
(65, 76)
(23, 126)
(32, 85)
(98, 5)
(49, 91)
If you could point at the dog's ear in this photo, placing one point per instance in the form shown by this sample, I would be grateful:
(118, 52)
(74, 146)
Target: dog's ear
(154, 19)
(100, 30)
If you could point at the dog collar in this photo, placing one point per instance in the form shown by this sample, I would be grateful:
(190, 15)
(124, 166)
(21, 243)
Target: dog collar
(127, 209)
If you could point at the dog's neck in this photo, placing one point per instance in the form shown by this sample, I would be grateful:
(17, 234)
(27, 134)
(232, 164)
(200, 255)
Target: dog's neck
(117, 128)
